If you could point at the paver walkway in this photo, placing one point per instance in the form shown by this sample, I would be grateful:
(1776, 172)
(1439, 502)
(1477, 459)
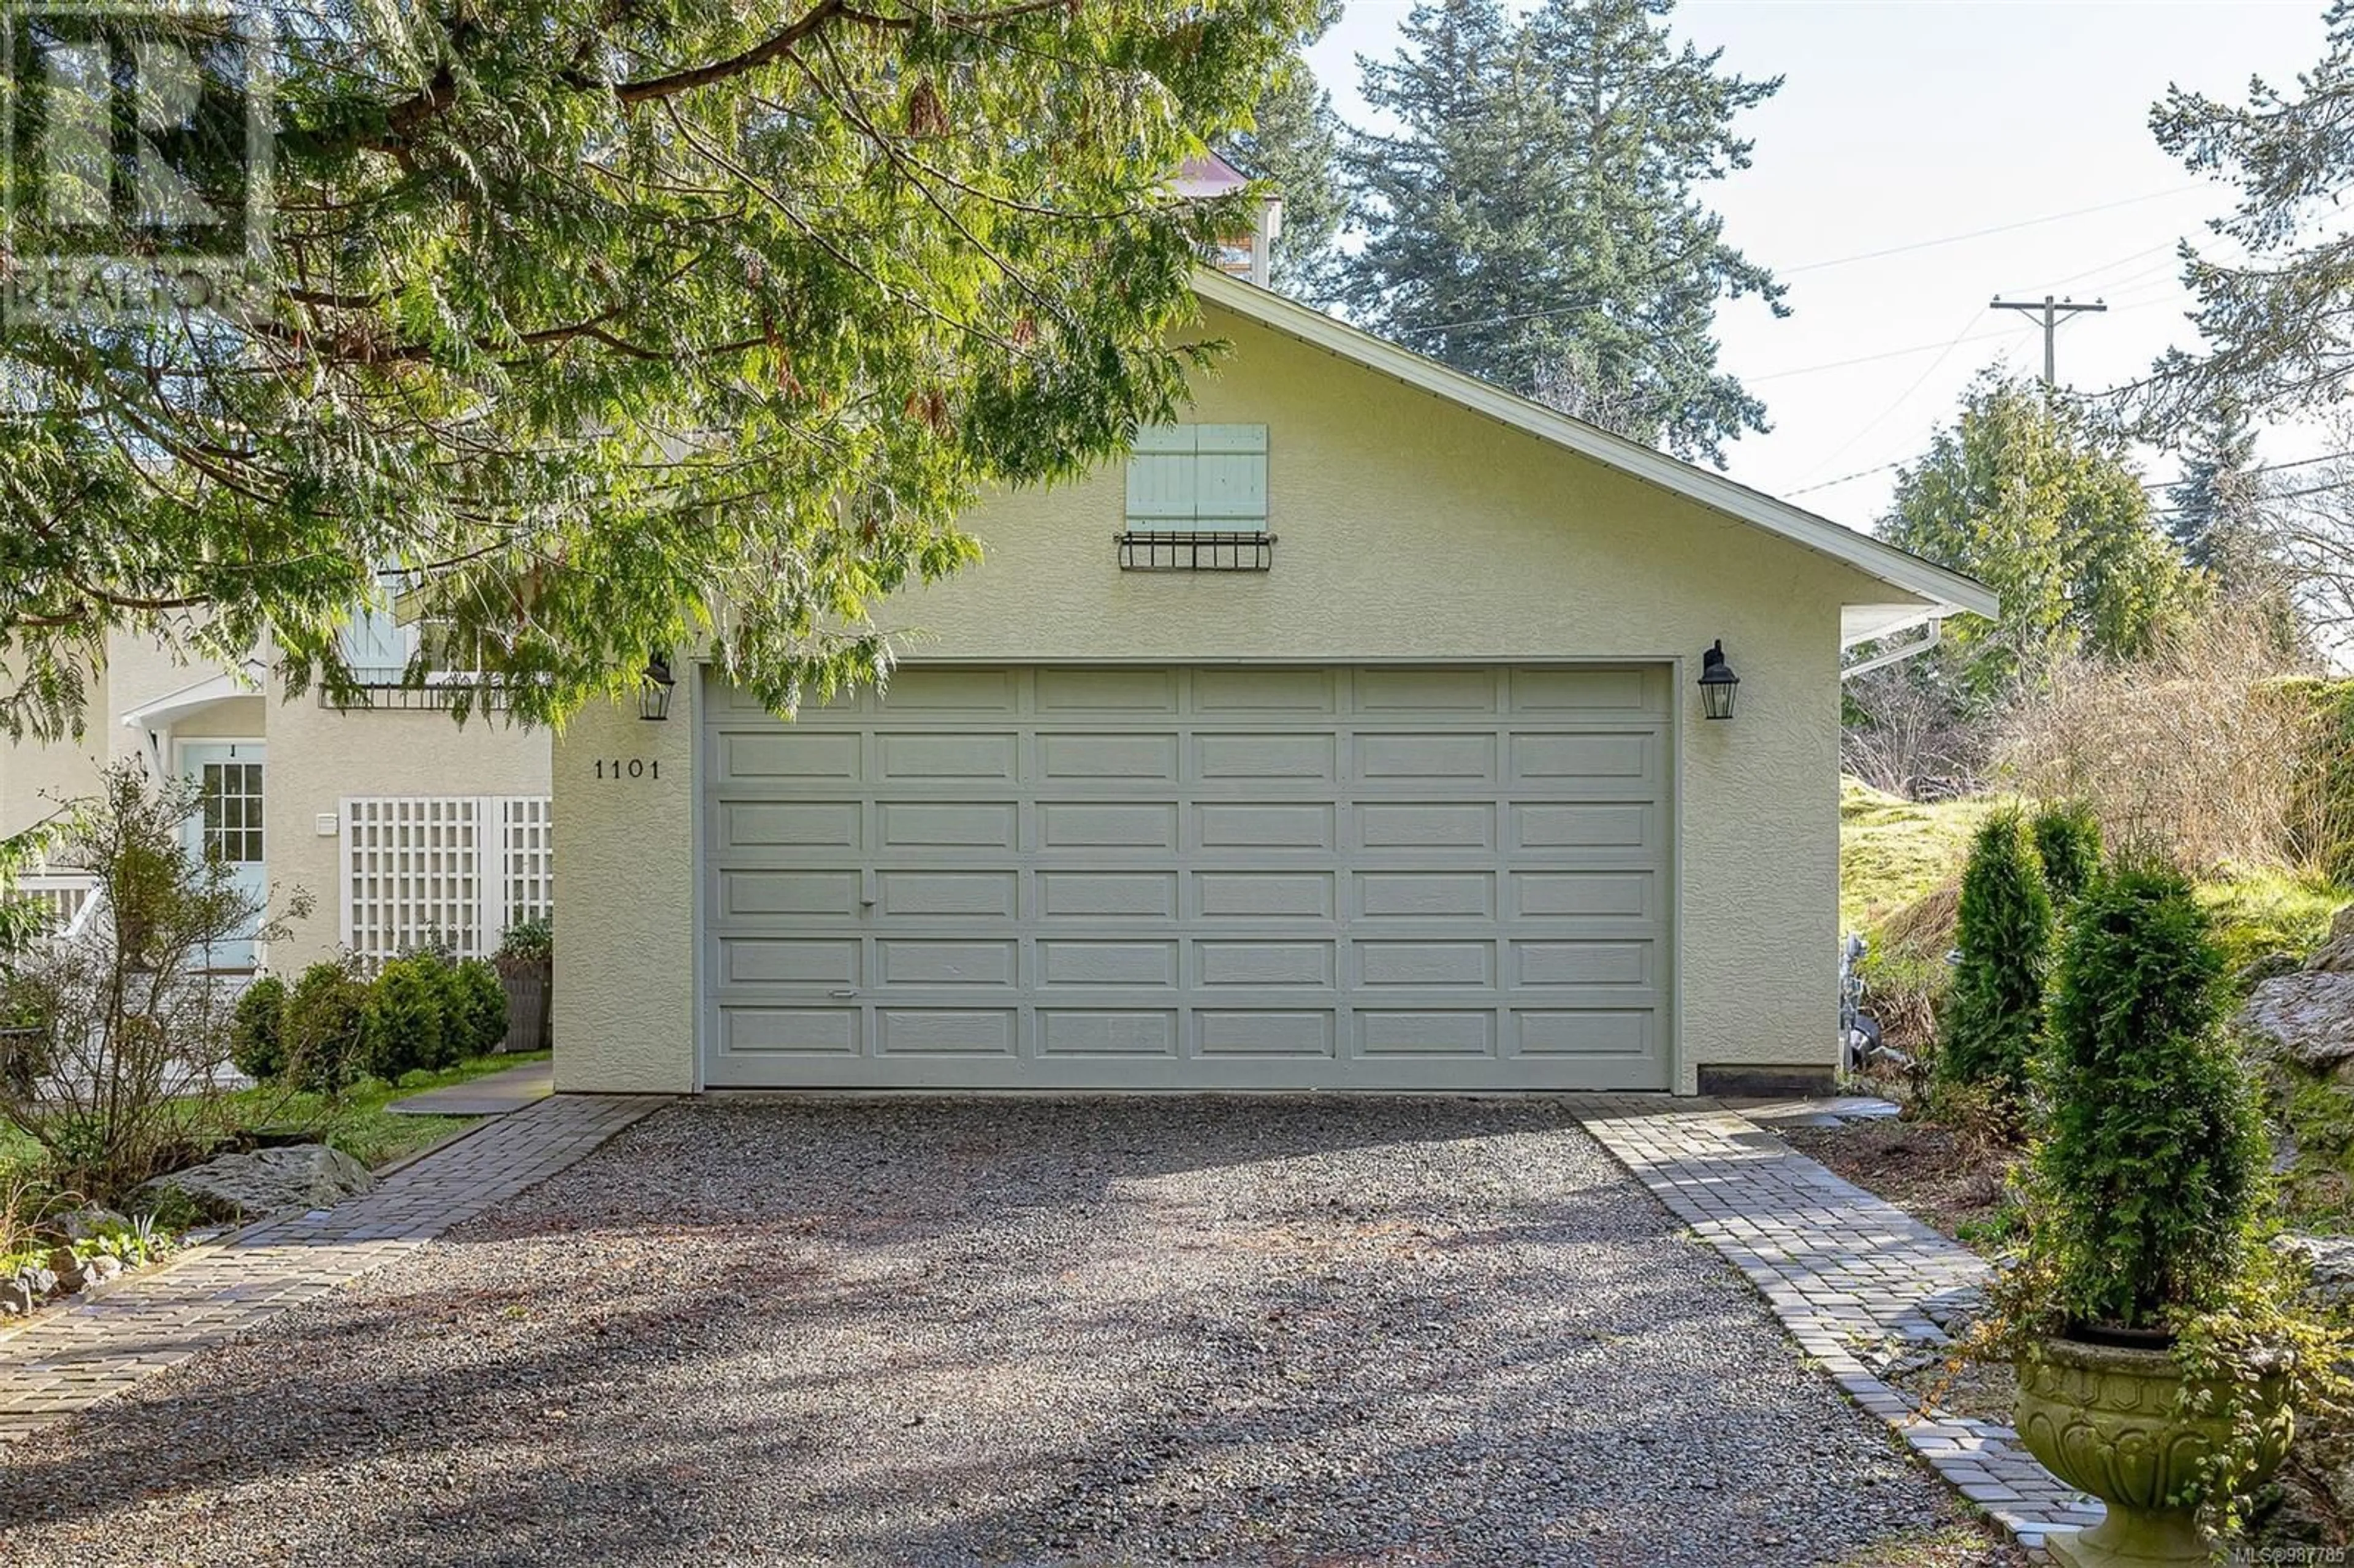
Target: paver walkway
(70, 1360)
(494, 1094)
(1843, 1271)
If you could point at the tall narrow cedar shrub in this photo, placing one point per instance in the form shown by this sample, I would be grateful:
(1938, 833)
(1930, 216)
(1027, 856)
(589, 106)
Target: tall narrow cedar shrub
(1996, 1010)
(2068, 845)
(2153, 1167)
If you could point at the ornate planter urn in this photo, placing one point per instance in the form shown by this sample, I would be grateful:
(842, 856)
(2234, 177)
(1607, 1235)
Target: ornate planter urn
(2107, 1420)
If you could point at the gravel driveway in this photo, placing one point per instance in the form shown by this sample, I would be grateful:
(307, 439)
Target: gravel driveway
(1015, 1332)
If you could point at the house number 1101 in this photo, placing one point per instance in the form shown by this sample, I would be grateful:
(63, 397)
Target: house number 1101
(636, 768)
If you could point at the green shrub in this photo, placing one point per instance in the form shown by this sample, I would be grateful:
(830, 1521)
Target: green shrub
(1995, 1011)
(2153, 1166)
(482, 1006)
(527, 941)
(329, 1039)
(407, 1004)
(2321, 809)
(258, 1030)
(2067, 839)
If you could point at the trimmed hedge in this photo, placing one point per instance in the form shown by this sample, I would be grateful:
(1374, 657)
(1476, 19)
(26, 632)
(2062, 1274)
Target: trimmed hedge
(2154, 1160)
(1996, 1010)
(257, 1040)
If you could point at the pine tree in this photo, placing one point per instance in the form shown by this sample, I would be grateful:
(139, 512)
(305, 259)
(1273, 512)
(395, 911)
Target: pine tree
(1294, 144)
(2216, 501)
(1535, 219)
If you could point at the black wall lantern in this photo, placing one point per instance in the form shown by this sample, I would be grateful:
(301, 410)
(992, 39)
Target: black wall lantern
(1718, 684)
(655, 683)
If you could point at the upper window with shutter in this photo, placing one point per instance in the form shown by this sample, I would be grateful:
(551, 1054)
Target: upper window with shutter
(1208, 478)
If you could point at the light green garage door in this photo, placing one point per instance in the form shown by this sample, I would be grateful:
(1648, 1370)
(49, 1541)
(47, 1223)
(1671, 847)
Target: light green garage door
(1212, 878)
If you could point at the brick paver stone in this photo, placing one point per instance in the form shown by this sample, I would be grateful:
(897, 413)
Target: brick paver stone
(71, 1359)
(1843, 1271)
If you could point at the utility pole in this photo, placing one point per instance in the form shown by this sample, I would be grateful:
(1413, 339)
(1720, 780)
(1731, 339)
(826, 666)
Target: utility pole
(2052, 310)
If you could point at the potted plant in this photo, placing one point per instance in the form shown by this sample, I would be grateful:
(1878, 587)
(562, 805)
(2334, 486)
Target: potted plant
(2158, 1355)
(526, 964)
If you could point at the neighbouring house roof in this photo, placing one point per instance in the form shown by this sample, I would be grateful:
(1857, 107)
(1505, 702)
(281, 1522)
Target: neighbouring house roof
(243, 681)
(1928, 591)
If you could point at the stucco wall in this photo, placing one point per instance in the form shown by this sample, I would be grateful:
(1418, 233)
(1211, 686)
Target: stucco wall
(1406, 527)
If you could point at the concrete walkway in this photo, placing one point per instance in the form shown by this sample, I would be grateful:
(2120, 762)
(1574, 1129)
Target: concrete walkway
(67, 1360)
(494, 1094)
(1845, 1272)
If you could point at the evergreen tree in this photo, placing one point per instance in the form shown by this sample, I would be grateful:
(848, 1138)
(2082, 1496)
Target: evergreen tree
(2215, 522)
(1294, 144)
(2004, 930)
(2023, 493)
(1535, 219)
(613, 327)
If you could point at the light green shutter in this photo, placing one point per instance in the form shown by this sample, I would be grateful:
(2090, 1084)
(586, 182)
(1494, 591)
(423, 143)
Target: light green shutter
(1198, 477)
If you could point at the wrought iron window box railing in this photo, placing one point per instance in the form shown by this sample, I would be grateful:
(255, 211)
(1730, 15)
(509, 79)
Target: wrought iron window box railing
(1175, 550)
(396, 690)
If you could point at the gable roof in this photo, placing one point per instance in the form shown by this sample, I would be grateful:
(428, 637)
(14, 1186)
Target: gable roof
(1933, 590)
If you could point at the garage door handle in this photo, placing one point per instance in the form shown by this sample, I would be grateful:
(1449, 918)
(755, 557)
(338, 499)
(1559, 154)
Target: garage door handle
(842, 993)
(866, 889)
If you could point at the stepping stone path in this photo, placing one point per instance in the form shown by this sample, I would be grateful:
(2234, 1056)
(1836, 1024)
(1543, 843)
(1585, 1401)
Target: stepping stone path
(1846, 1272)
(69, 1360)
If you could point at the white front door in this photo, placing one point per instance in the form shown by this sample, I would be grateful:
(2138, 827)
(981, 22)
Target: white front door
(227, 827)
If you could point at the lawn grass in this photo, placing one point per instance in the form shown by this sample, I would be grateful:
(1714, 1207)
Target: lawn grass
(360, 1124)
(1893, 850)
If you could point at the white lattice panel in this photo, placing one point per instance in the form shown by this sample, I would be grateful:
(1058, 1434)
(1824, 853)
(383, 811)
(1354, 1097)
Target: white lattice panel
(450, 869)
(527, 868)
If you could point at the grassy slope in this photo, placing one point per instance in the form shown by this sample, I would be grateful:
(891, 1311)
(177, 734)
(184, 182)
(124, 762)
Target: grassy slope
(1891, 852)
(361, 1126)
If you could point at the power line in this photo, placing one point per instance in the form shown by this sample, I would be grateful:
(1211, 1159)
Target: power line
(1981, 233)
(1859, 473)
(2054, 310)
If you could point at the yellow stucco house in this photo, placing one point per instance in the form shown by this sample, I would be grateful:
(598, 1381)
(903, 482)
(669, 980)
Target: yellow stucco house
(1350, 735)
(402, 827)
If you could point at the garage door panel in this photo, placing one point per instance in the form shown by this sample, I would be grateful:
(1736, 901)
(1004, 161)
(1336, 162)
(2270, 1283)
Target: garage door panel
(1265, 895)
(1423, 896)
(1461, 689)
(1263, 1032)
(1227, 965)
(1587, 1031)
(1585, 825)
(936, 962)
(1424, 1032)
(1108, 894)
(1107, 825)
(1108, 965)
(1278, 692)
(1396, 760)
(1117, 692)
(1600, 759)
(1257, 759)
(792, 1030)
(926, 824)
(793, 824)
(941, 690)
(809, 960)
(948, 759)
(922, 894)
(1420, 963)
(1426, 825)
(1571, 893)
(788, 893)
(1585, 963)
(1151, 878)
(788, 755)
(945, 1032)
(1114, 760)
(1118, 1033)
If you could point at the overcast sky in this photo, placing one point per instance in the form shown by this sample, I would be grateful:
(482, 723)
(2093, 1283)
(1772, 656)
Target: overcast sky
(1908, 121)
